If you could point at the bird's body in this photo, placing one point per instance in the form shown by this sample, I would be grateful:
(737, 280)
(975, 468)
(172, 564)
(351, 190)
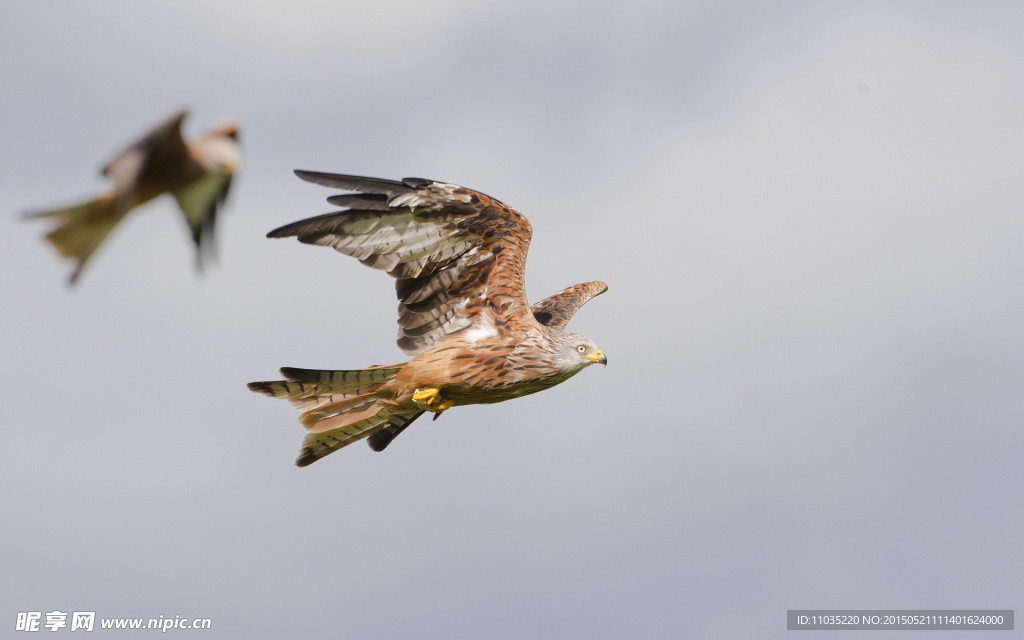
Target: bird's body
(197, 174)
(501, 371)
(459, 257)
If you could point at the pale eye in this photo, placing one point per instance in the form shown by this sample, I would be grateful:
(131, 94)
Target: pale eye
(582, 348)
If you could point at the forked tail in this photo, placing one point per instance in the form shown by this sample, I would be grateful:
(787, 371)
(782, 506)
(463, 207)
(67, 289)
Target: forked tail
(339, 408)
(81, 229)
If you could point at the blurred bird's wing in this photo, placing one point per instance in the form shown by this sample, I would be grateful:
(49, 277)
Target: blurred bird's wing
(155, 163)
(199, 203)
(219, 156)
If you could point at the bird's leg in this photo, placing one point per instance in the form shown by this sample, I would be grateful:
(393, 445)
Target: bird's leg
(430, 400)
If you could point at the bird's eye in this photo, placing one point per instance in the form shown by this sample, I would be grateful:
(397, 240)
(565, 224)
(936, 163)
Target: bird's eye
(582, 348)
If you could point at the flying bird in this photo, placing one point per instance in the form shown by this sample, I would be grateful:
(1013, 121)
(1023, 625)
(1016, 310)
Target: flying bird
(458, 257)
(197, 174)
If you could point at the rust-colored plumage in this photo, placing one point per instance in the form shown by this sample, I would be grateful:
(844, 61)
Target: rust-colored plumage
(459, 258)
(197, 174)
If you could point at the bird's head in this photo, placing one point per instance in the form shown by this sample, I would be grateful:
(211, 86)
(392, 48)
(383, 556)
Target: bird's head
(576, 351)
(224, 128)
(218, 151)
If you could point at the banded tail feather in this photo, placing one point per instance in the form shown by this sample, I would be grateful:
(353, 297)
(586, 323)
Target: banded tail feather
(307, 388)
(339, 407)
(379, 430)
(394, 426)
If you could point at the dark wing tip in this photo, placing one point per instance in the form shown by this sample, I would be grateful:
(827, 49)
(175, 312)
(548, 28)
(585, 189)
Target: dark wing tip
(175, 119)
(308, 230)
(286, 231)
(362, 184)
(417, 183)
(363, 201)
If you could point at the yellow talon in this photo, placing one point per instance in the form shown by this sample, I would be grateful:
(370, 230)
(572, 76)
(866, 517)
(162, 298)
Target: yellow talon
(425, 396)
(430, 399)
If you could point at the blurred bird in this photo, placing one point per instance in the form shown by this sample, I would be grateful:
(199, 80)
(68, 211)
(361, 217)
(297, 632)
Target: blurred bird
(198, 175)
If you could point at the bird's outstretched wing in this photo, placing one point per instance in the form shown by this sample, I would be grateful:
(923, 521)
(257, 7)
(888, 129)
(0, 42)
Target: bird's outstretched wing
(458, 255)
(556, 311)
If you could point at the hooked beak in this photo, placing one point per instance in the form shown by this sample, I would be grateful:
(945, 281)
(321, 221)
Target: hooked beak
(598, 357)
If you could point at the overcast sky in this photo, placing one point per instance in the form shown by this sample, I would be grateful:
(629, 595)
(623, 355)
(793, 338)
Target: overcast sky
(810, 217)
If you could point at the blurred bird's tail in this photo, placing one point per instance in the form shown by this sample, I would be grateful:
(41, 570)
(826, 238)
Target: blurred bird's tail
(339, 408)
(81, 229)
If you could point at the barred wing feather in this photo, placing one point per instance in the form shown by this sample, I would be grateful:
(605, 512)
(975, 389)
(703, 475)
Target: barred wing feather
(454, 251)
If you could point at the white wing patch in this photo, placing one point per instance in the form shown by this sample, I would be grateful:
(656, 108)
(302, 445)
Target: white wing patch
(484, 328)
